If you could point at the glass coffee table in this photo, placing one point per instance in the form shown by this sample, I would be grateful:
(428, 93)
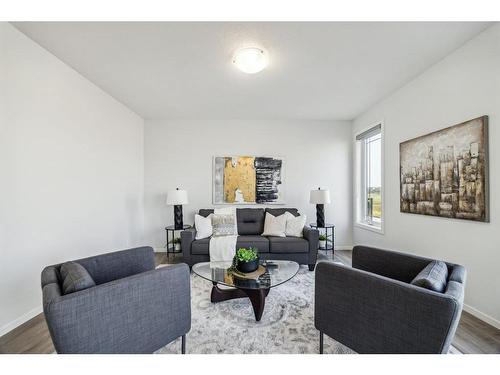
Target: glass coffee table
(277, 272)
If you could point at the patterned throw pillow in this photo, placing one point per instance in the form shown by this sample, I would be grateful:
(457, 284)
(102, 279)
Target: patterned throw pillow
(224, 225)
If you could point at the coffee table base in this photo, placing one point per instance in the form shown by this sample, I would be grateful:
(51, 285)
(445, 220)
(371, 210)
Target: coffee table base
(257, 297)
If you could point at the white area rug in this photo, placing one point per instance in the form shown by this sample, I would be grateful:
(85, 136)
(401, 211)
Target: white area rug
(287, 325)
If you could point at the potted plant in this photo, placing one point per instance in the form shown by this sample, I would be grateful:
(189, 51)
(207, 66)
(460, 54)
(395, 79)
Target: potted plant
(177, 244)
(323, 239)
(247, 259)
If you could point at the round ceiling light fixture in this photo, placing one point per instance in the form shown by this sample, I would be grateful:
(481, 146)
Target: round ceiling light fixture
(250, 60)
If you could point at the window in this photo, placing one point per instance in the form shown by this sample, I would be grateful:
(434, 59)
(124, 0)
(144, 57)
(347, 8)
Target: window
(369, 178)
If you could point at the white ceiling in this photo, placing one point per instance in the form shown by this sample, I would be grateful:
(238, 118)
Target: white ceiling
(318, 70)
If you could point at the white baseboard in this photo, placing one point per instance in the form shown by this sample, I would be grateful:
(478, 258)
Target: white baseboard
(22, 319)
(160, 249)
(481, 316)
(344, 247)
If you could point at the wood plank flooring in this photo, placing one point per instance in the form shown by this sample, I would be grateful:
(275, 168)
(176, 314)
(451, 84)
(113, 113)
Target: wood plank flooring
(472, 336)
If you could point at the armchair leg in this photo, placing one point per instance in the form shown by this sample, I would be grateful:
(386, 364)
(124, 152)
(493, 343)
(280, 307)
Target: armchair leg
(183, 344)
(321, 342)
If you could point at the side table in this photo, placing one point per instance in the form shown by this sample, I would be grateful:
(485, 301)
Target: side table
(330, 244)
(170, 229)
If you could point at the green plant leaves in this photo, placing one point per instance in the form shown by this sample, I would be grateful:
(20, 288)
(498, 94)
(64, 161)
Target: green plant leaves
(247, 254)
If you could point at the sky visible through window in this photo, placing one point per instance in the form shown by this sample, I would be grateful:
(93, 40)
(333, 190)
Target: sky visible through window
(374, 158)
(374, 175)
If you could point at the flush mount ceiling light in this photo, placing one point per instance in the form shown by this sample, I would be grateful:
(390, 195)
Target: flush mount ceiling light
(250, 60)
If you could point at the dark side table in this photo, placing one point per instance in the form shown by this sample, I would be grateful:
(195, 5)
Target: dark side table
(329, 245)
(170, 230)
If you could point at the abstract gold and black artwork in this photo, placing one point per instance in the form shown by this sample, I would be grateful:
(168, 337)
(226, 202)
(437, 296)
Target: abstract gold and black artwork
(248, 180)
(445, 173)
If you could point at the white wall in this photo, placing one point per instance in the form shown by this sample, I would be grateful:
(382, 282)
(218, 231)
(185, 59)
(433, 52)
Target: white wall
(464, 85)
(71, 161)
(179, 154)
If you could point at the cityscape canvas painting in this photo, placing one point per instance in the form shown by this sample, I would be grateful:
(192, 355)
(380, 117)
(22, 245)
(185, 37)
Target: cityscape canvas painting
(445, 173)
(248, 180)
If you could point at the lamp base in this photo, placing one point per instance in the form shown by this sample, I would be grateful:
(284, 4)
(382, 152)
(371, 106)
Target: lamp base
(178, 220)
(320, 215)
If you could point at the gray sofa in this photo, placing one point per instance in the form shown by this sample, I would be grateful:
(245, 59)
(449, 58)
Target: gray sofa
(373, 308)
(250, 228)
(134, 308)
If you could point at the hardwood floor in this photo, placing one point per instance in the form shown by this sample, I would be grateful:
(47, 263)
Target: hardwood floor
(472, 336)
(31, 337)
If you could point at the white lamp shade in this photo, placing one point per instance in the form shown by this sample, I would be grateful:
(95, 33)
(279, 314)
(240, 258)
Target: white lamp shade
(177, 197)
(319, 197)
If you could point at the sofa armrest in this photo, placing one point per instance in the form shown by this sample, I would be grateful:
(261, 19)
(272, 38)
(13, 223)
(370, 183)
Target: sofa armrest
(455, 289)
(50, 275)
(374, 314)
(137, 314)
(392, 264)
(312, 236)
(187, 238)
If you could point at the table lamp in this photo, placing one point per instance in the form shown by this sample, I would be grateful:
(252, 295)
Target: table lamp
(177, 198)
(320, 198)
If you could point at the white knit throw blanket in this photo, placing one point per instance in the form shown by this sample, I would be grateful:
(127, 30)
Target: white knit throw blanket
(223, 248)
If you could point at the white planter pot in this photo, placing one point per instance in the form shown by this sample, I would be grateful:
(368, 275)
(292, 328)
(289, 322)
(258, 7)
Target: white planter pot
(322, 244)
(177, 247)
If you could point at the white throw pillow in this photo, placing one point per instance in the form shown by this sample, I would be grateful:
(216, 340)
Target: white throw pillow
(274, 225)
(203, 226)
(295, 225)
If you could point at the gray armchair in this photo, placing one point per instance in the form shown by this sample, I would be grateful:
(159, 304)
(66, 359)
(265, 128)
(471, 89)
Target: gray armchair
(373, 308)
(134, 308)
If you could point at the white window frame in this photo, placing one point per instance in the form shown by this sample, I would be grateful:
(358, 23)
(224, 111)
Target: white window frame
(359, 183)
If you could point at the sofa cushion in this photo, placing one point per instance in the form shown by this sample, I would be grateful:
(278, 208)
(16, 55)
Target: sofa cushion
(286, 245)
(200, 247)
(250, 221)
(75, 277)
(281, 211)
(433, 276)
(260, 242)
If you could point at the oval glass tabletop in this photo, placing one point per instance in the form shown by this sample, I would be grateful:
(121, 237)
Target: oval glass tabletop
(277, 272)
